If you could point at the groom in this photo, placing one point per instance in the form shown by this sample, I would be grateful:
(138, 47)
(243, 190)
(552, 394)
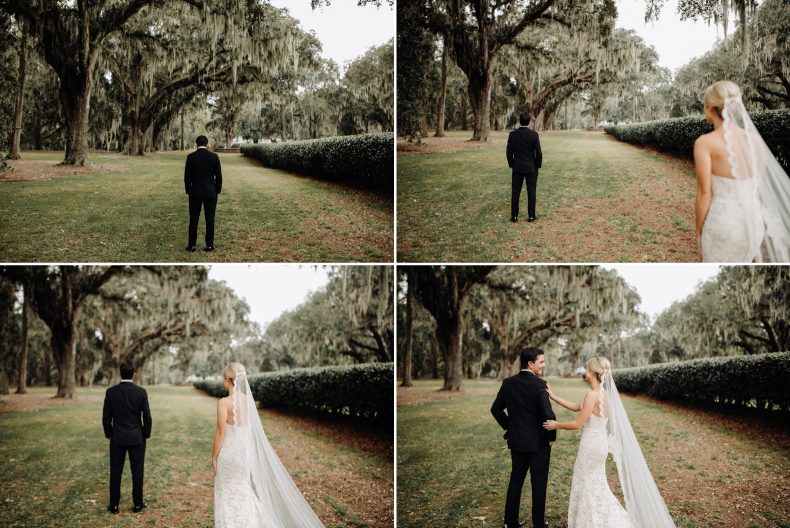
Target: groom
(525, 158)
(127, 423)
(527, 403)
(203, 182)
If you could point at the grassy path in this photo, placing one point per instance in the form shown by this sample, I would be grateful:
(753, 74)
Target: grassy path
(126, 209)
(453, 465)
(54, 467)
(598, 201)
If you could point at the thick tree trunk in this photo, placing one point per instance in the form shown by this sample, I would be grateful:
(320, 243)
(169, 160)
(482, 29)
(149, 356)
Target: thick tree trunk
(480, 101)
(19, 100)
(67, 362)
(408, 345)
(139, 122)
(75, 96)
(21, 386)
(442, 94)
(450, 342)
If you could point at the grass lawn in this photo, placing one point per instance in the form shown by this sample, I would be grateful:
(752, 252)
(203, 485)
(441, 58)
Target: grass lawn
(130, 209)
(453, 465)
(54, 466)
(598, 200)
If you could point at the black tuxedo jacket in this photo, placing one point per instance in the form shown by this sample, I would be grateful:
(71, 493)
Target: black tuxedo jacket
(527, 402)
(523, 151)
(203, 175)
(126, 417)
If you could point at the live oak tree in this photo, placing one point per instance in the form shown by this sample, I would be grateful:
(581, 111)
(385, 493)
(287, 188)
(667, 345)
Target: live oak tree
(475, 32)
(60, 294)
(443, 291)
(175, 309)
(349, 321)
(571, 312)
(72, 35)
(742, 310)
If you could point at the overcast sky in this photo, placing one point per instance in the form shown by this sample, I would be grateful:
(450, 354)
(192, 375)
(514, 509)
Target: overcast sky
(270, 290)
(345, 29)
(676, 42)
(659, 285)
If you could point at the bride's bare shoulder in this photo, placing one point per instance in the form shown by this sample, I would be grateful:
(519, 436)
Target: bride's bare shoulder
(704, 139)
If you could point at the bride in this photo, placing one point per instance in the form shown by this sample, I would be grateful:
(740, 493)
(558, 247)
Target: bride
(252, 488)
(605, 428)
(743, 194)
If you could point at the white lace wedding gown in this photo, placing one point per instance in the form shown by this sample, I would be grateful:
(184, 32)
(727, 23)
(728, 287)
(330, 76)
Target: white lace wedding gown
(729, 234)
(592, 503)
(236, 504)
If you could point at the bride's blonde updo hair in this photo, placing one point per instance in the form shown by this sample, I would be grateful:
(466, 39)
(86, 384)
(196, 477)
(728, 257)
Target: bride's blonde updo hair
(599, 365)
(232, 370)
(717, 93)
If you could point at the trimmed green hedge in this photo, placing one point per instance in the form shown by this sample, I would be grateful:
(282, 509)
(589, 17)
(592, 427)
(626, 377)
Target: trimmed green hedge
(363, 391)
(364, 160)
(678, 135)
(745, 381)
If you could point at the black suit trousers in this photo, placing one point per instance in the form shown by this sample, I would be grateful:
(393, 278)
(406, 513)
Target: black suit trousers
(537, 464)
(136, 461)
(210, 207)
(532, 185)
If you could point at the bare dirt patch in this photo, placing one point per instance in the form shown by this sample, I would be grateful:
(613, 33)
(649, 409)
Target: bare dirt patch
(432, 145)
(364, 492)
(10, 403)
(41, 170)
(714, 466)
(363, 436)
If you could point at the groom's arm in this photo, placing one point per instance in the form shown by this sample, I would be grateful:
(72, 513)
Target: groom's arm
(538, 154)
(509, 152)
(187, 176)
(219, 176)
(498, 409)
(146, 417)
(106, 416)
(544, 404)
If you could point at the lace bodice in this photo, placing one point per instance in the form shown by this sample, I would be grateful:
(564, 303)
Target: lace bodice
(724, 188)
(236, 504)
(592, 504)
(733, 229)
(595, 424)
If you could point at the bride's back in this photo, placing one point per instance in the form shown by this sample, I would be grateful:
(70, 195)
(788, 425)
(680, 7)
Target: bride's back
(717, 148)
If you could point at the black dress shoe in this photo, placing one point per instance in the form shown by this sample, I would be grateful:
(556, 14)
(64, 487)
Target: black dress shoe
(208, 248)
(532, 218)
(191, 248)
(141, 507)
(113, 509)
(514, 219)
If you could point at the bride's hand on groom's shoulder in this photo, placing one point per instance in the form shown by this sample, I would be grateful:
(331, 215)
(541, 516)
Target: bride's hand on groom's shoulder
(550, 425)
(549, 391)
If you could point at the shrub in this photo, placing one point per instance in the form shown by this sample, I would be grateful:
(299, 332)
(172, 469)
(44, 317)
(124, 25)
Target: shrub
(745, 381)
(365, 160)
(678, 135)
(363, 391)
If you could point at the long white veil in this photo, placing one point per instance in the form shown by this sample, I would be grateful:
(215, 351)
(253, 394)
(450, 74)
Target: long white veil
(767, 205)
(281, 501)
(643, 502)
